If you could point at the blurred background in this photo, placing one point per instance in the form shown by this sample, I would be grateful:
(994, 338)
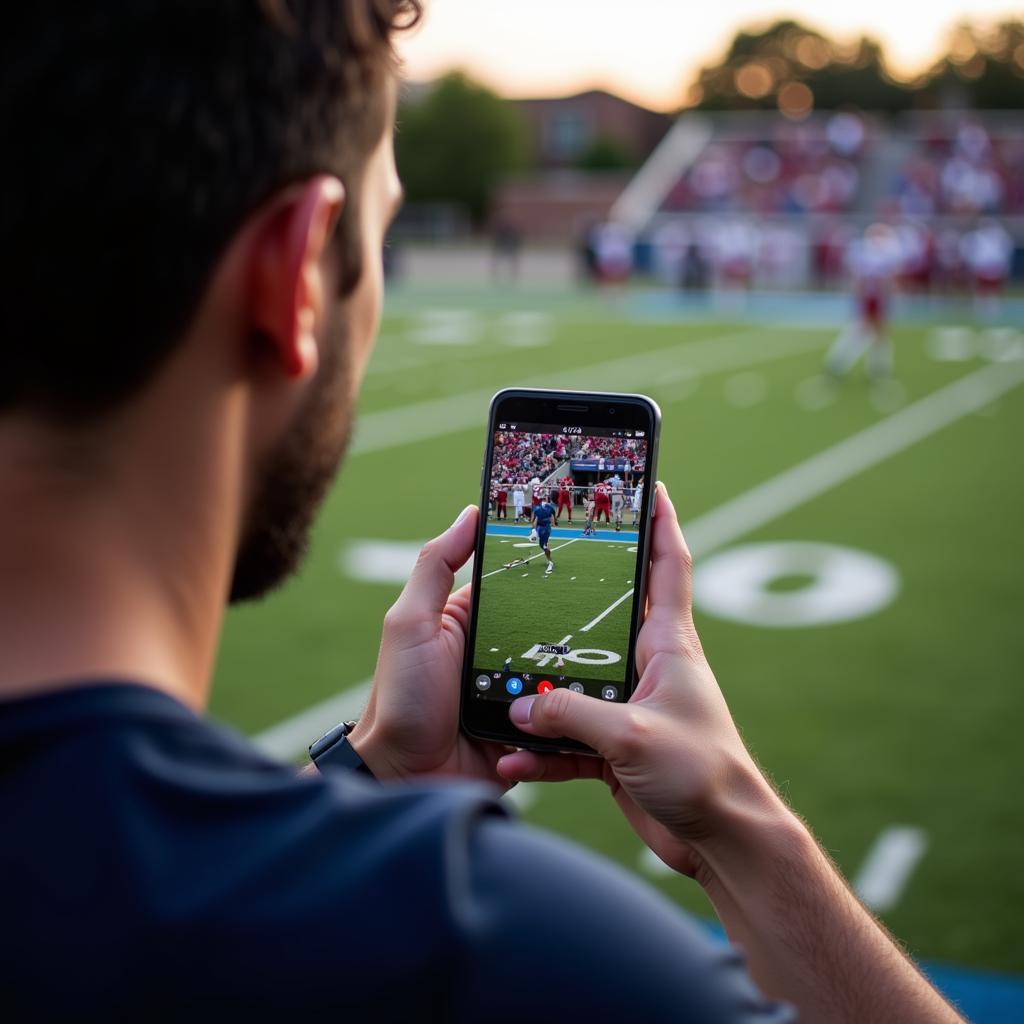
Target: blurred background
(724, 209)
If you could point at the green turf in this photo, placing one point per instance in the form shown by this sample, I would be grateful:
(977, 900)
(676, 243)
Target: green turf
(912, 715)
(524, 605)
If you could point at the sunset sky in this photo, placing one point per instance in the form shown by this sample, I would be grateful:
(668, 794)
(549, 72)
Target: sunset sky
(649, 50)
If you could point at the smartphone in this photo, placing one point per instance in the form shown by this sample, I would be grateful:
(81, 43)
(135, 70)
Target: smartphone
(560, 568)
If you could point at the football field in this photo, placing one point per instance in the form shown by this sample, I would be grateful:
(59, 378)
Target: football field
(584, 603)
(859, 561)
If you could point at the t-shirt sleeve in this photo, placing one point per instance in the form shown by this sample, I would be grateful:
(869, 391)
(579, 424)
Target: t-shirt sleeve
(551, 933)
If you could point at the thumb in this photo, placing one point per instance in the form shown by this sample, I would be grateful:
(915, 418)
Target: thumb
(561, 712)
(434, 573)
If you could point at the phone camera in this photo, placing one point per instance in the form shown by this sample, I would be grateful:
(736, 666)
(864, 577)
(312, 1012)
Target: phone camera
(611, 411)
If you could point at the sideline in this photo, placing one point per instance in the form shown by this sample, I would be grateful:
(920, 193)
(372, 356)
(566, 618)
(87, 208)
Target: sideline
(888, 866)
(740, 516)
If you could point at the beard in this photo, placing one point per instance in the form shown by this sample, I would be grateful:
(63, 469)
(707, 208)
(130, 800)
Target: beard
(296, 477)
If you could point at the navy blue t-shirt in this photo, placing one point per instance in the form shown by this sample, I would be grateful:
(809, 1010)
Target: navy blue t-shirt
(544, 512)
(157, 867)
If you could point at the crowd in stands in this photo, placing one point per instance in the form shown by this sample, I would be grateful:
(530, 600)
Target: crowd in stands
(809, 167)
(628, 448)
(946, 202)
(518, 457)
(969, 171)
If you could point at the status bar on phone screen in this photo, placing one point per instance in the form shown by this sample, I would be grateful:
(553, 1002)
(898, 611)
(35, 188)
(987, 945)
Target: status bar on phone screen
(571, 430)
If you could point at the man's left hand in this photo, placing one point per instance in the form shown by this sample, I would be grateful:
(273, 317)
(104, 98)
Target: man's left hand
(411, 724)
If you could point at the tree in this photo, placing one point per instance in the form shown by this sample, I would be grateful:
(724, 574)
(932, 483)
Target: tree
(606, 154)
(457, 142)
(983, 69)
(759, 65)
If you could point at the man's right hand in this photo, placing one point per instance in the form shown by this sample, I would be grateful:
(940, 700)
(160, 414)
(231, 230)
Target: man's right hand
(672, 756)
(678, 769)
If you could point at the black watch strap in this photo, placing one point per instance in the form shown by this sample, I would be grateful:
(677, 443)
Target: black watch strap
(333, 750)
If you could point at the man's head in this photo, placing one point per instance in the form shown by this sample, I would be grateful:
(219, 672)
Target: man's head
(200, 174)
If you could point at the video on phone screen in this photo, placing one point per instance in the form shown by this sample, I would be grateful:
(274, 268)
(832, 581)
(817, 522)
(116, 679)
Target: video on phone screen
(560, 561)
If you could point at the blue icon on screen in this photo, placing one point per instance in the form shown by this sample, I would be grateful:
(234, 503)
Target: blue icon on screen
(514, 686)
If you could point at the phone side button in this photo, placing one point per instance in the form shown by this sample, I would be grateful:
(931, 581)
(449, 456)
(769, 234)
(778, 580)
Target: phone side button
(654, 502)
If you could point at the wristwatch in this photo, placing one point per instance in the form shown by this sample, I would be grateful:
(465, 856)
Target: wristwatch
(333, 750)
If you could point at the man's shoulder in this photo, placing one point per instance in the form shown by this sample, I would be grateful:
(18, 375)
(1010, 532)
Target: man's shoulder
(141, 830)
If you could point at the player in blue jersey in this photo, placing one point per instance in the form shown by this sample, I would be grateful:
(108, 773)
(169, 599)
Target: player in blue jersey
(543, 513)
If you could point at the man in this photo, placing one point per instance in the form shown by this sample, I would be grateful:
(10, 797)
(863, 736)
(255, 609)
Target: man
(536, 493)
(602, 502)
(565, 486)
(518, 500)
(502, 501)
(637, 501)
(874, 261)
(542, 516)
(172, 410)
(588, 516)
(615, 484)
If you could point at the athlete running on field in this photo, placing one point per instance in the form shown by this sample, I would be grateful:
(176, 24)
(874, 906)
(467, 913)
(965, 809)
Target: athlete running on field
(542, 516)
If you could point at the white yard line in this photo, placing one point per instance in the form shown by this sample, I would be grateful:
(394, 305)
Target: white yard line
(757, 507)
(837, 464)
(888, 866)
(291, 738)
(393, 428)
(615, 604)
(494, 572)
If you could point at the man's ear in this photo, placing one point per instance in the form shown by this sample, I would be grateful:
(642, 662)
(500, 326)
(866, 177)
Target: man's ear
(287, 274)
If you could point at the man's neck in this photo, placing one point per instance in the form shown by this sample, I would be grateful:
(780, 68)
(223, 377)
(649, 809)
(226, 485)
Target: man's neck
(112, 572)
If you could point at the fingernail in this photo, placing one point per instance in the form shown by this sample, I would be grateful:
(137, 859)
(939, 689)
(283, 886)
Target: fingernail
(462, 515)
(520, 710)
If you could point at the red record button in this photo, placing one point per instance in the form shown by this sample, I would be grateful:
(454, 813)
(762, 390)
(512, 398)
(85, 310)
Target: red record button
(544, 686)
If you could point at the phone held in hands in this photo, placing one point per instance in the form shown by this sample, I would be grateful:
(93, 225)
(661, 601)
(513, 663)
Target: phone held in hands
(560, 567)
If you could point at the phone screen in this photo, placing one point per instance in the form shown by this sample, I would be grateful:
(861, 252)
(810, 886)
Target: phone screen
(560, 567)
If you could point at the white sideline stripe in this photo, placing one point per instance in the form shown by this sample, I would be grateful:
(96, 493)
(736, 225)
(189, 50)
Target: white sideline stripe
(408, 424)
(494, 572)
(756, 507)
(291, 738)
(651, 863)
(615, 604)
(522, 796)
(888, 866)
(820, 473)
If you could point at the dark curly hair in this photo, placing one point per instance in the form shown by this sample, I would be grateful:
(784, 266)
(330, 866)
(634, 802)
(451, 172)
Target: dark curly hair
(138, 136)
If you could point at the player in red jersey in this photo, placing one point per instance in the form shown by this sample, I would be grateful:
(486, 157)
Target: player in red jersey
(501, 506)
(602, 502)
(565, 486)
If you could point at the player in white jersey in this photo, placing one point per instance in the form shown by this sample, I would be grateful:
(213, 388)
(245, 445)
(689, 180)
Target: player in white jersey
(518, 500)
(637, 501)
(987, 251)
(873, 261)
(618, 500)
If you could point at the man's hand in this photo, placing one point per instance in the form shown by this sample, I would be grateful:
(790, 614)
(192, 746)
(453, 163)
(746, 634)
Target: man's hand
(681, 774)
(411, 724)
(671, 756)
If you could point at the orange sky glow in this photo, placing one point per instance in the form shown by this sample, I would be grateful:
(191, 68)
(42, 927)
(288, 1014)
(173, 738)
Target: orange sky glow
(650, 50)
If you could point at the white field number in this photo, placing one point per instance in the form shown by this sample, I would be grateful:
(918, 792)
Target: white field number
(581, 656)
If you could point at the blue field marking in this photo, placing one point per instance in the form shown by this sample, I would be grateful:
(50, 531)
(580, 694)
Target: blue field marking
(560, 533)
(984, 997)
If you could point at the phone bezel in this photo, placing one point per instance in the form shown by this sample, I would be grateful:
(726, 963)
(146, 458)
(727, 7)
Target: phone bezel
(488, 720)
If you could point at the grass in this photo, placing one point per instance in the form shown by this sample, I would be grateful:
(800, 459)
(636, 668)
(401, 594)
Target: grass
(912, 715)
(524, 606)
